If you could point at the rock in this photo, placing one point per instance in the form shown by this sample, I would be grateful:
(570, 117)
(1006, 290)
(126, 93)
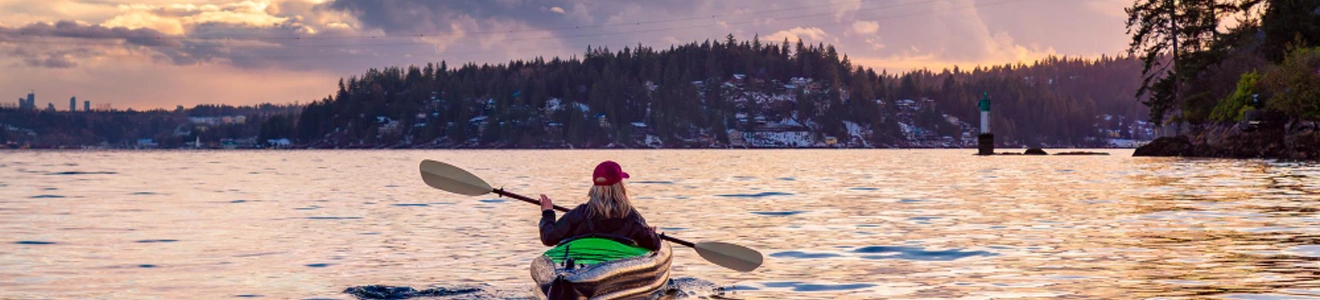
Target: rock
(1036, 151)
(1303, 141)
(1166, 146)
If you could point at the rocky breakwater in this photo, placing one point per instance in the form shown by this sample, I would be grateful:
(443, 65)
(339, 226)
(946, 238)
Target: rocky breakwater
(1290, 139)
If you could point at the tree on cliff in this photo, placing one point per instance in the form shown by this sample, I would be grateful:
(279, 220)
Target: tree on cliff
(1192, 63)
(1286, 23)
(1177, 40)
(1294, 86)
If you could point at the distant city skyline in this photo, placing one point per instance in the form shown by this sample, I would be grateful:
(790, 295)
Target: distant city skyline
(29, 102)
(144, 54)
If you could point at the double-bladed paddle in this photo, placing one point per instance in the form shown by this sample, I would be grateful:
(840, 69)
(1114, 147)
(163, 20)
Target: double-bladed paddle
(455, 180)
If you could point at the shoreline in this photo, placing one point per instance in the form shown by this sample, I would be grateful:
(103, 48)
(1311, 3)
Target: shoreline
(1268, 139)
(971, 151)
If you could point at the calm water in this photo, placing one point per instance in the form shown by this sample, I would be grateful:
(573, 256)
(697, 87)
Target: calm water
(833, 224)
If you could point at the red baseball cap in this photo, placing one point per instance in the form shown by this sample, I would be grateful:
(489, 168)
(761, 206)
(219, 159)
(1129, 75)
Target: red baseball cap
(608, 173)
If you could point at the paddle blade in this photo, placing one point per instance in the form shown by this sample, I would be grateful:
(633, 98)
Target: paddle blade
(450, 178)
(730, 256)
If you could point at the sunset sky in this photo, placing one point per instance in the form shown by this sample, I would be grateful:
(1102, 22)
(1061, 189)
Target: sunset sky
(154, 53)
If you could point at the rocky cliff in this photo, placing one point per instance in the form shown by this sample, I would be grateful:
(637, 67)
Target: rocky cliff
(1275, 139)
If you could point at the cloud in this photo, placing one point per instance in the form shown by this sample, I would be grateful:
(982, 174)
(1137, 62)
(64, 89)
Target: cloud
(254, 16)
(998, 50)
(505, 30)
(407, 17)
(670, 40)
(313, 14)
(1008, 50)
(249, 34)
(78, 30)
(63, 40)
(957, 33)
(137, 19)
(848, 6)
(491, 31)
(53, 60)
(176, 18)
(18, 12)
(581, 14)
(874, 42)
(797, 33)
(865, 27)
(48, 40)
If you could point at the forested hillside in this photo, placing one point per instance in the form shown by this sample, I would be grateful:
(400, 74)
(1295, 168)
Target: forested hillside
(726, 93)
(692, 95)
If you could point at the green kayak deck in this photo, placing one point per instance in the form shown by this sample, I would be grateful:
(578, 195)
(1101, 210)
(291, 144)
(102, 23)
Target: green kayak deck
(593, 250)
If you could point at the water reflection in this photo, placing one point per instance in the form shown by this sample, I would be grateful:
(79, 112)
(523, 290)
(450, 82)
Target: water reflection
(833, 224)
(1236, 234)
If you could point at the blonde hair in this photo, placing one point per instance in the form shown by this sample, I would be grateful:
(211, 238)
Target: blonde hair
(609, 201)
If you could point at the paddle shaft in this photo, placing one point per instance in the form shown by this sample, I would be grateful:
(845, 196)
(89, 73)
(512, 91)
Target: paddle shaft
(501, 192)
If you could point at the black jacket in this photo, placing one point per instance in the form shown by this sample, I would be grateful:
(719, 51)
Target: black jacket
(577, 222)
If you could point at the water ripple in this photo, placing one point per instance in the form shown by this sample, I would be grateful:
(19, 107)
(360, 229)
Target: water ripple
(803, 255)
(81, 173)
(757, 195)
(914, 253)
(818, 287)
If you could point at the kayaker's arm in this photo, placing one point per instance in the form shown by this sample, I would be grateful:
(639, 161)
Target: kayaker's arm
(552, 232)
(644, 234)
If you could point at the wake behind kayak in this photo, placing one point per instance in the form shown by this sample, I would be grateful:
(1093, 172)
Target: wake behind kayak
(588, 267)
(403, 292)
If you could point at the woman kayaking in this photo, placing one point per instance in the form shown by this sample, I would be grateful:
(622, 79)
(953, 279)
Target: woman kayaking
(602, 249)
(607, 213)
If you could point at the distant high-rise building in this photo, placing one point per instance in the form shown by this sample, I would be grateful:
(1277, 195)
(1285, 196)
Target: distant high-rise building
(29, 103)
(73, 104)
(87, 105)
(50, 106)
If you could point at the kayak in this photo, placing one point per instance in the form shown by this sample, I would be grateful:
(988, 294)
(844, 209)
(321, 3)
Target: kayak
(600, 268)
